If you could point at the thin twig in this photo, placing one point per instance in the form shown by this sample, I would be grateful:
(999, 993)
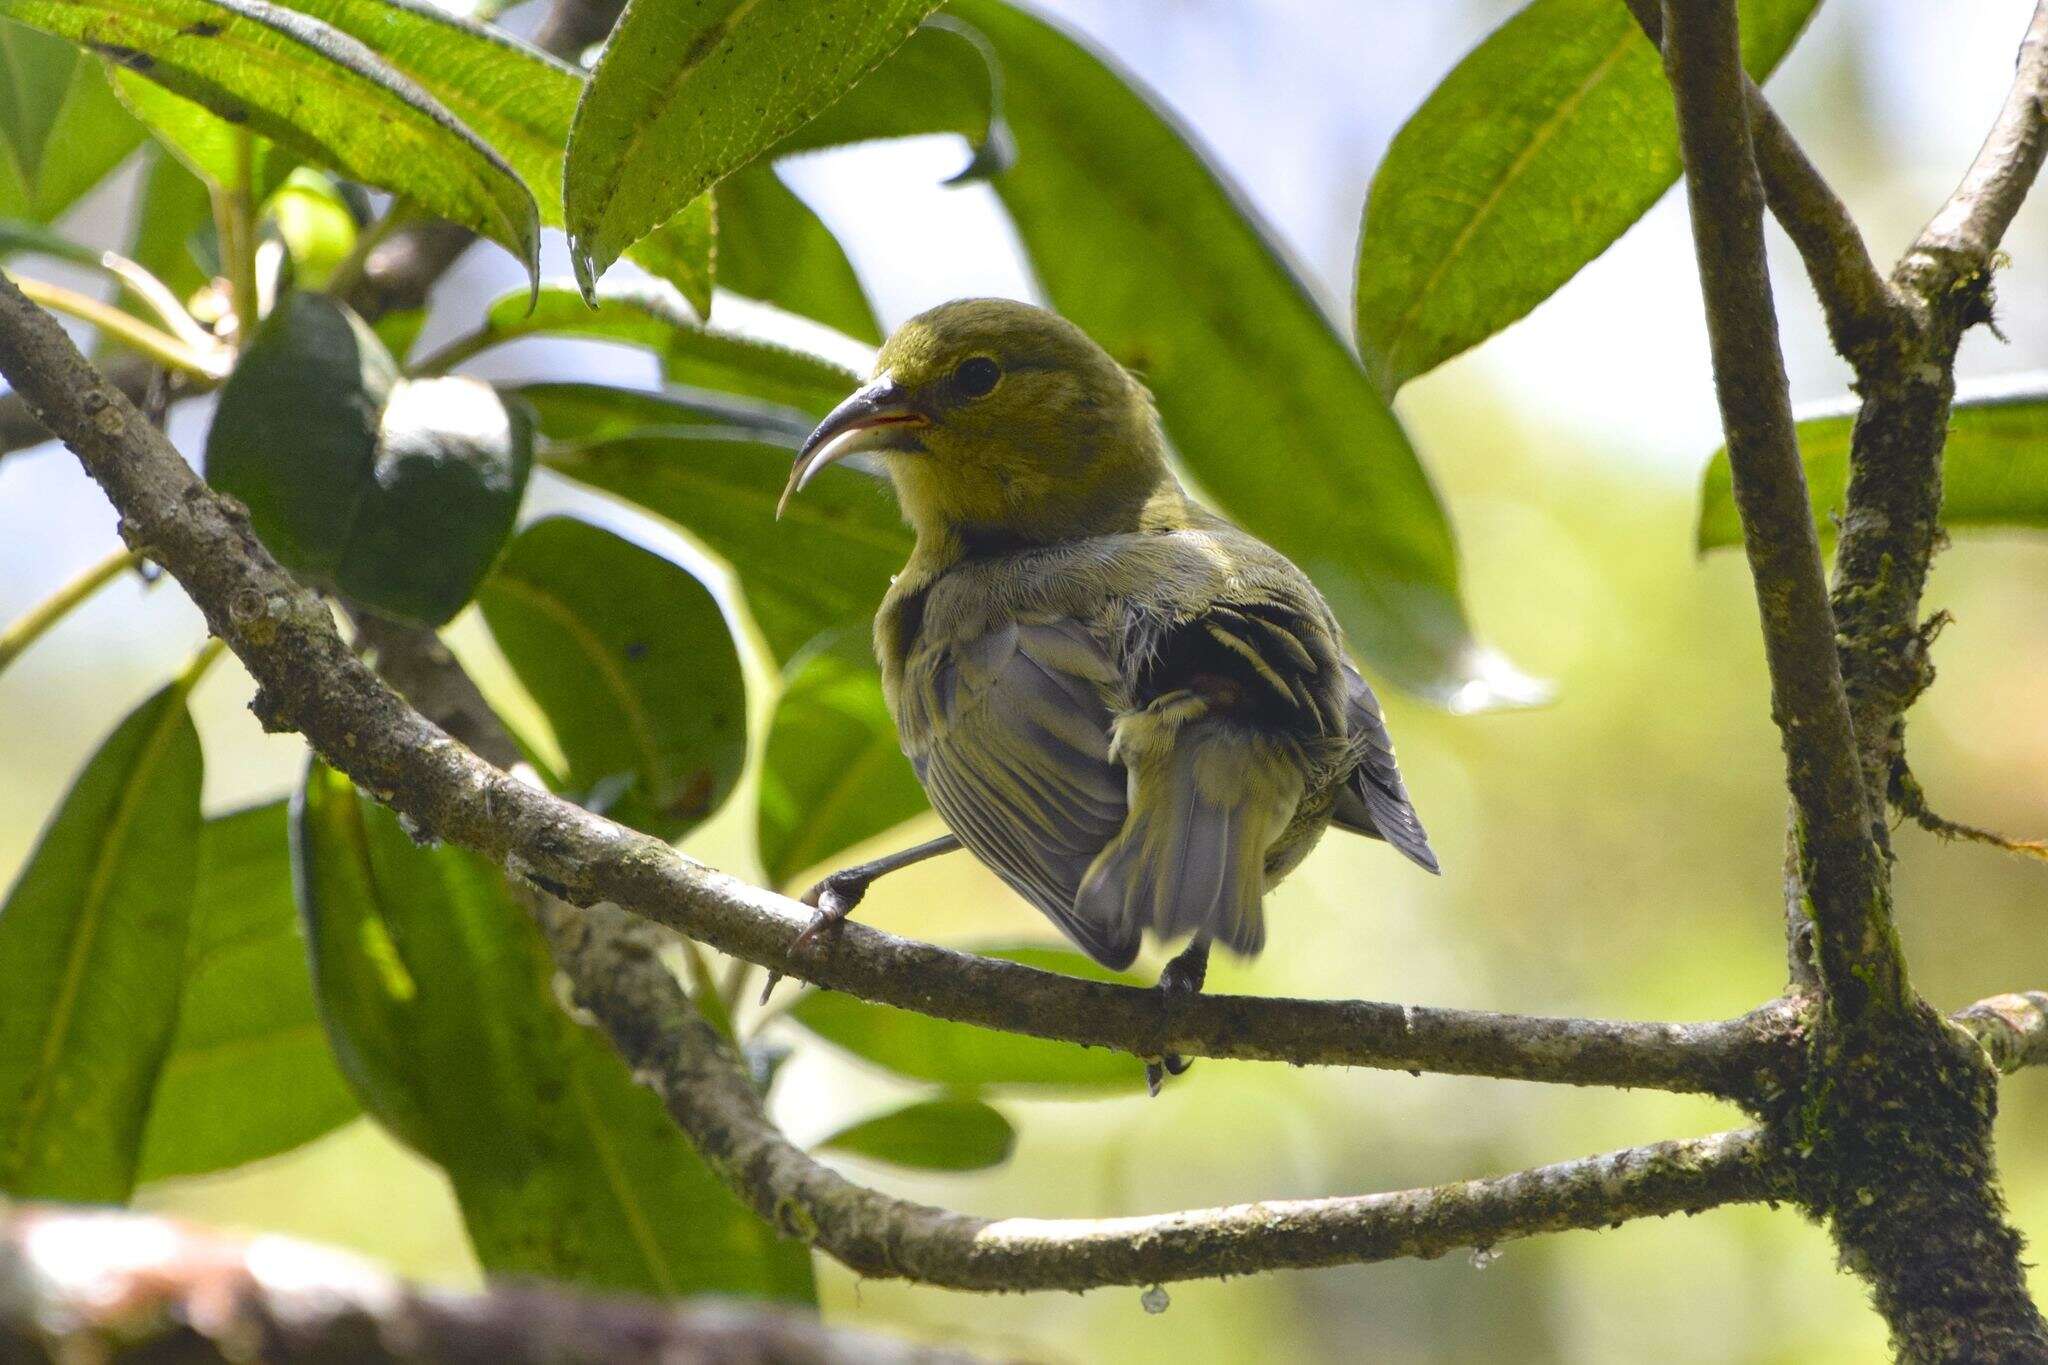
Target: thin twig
(1863, 314)
(31, 625)
(1963, 237)
(1842, 869)
(1910, 799)
(126, 329)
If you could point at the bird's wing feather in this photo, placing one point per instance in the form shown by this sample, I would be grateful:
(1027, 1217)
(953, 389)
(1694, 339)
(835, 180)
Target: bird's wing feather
(1014, 752)
(1374, 801)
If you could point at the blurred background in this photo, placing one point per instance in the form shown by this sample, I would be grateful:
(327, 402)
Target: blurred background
(1613, 853)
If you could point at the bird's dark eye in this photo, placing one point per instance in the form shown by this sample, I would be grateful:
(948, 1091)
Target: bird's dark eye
(976, 375)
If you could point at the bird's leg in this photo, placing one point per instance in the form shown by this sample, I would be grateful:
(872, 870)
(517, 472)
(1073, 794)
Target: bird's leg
(835, 897)
(1182, 976)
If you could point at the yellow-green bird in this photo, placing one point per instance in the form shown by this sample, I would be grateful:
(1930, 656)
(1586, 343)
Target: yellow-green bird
(1137, 715)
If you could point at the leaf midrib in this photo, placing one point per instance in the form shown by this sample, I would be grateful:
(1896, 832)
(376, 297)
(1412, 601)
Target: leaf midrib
(91, 908)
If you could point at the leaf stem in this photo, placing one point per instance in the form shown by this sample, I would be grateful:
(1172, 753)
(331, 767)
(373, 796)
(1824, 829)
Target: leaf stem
(704, 992)
(234, 214)
(124, 327)
(195, 668)
(28, 628)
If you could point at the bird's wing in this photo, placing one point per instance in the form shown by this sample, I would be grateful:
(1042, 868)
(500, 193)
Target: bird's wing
(1374, 801)
(1012, 745)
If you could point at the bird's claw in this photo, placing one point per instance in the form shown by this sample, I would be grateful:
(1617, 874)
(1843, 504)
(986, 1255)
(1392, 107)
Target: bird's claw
(832, 900)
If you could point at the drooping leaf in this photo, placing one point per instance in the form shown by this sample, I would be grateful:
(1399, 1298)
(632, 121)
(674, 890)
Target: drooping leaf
(772, 247)
(520, 102)
(60, 128)
(631, 662)
(577, 413)
(834, 774)
(25, 236)
(653, 315)
(685, 93)
(91, 936)
(437, 993)
(295, 435)
(1538, 150)
(948, 1134)
(823, 566)
(966, 1055)
(249, 1072)
(1994, 469)
(313, 89)
(205, 143)
(452, 463)
(1146, 247)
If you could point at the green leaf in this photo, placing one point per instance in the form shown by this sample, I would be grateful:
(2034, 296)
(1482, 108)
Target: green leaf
(1538, 150)
(22, 236)
(630, 660)
(772, 247)
(314, 90)
(824, 566)
(1140, 242)
(685, 93)
(452, 464)
(249, 1073)
(950, 1134)
(399, 493)
(206, 144)
(438, 995)
(653, 315)
(90, 936)
(943, 80)
(295, 435)
(966, 1055)
(315, 222)
(61, 130)
(834, 774)
(172, 213)
(520, 101)
(577, 413)
(1994, 469)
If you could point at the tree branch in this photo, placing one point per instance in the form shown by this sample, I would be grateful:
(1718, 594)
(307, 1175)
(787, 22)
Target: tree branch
(621, 981)
(1841, 868)
(310, 681)
(2012, 1028)
(1863, 314)
(94, 1284)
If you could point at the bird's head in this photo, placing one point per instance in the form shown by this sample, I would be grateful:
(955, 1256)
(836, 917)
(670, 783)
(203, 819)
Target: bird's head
(1000, 423)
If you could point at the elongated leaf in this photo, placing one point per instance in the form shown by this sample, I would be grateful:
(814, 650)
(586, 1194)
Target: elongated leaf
(581, 413)
(1150, 250)
(249, 1073)
(965, 1055)
(1538, 150)
(1994, 470)
(685, 93)
(940, 81)
(520, 102)
(631, 661)
(653, 315)
(772, 247)
(60, 128)
(437, 992)
(950, 1134)
(24, 236)
(314, 90)
(834, 774)
(823, 567)
(90, 938)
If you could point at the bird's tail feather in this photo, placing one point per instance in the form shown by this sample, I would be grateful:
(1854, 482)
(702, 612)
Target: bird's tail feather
(1208, 799)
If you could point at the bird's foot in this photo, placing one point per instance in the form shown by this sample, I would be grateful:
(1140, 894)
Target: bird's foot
(832, 902)
(1182, 976)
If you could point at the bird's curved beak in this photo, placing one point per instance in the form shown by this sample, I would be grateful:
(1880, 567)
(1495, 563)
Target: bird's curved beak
(874, 417)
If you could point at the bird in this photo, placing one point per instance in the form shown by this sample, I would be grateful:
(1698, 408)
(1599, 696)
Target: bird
(1137, 715)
